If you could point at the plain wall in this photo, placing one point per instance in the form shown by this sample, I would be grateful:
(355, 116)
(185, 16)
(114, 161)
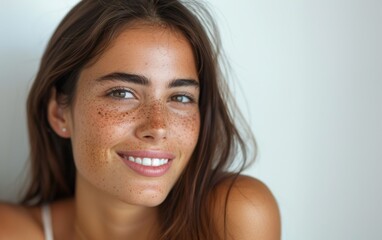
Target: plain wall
(308, 79)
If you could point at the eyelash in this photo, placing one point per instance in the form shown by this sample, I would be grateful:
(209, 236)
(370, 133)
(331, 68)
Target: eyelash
(120, 90)
(190, 98)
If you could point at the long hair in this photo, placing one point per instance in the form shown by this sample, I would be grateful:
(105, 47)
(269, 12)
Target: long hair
(81, 37)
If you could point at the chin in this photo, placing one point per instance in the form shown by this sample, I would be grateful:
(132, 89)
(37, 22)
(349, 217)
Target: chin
(145, 198)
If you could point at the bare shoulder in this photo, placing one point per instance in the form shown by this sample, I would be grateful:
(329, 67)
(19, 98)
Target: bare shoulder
(18, 222)
(23, 222)
(249, 212)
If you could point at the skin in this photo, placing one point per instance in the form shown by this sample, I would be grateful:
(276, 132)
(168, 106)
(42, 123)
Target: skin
(111, 114)
(102, 123)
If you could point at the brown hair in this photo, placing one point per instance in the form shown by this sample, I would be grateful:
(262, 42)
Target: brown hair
(83, 35)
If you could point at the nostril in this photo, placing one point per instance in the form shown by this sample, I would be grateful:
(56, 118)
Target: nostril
(148, 137)
(151, 134)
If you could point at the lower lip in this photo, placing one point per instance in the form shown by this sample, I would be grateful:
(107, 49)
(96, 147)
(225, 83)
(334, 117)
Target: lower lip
(148, 171)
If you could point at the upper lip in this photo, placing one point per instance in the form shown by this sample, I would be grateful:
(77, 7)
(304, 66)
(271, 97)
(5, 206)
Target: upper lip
(147, 154)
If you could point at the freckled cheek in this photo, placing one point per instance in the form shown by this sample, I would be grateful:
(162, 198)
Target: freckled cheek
(106, 123)
(186, 130)
(97, 130)
(88, 160)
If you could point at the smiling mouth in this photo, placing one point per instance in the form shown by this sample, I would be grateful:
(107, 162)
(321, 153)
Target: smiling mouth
(147, 158)
(145, 161)
(148, 163)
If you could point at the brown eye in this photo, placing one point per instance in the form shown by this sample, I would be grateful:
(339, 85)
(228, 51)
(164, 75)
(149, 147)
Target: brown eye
(182, 99)
(121, 93)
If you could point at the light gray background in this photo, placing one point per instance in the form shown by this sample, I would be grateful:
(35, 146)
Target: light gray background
(309, 81)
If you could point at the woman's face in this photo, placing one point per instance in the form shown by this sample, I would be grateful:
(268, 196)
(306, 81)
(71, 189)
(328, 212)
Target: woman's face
(135, 121)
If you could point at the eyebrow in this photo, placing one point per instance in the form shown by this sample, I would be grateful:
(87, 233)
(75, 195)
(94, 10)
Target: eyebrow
(125, 77)
(183, 83)
(142, 80)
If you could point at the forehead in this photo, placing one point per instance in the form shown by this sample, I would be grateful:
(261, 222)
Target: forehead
(153, 45)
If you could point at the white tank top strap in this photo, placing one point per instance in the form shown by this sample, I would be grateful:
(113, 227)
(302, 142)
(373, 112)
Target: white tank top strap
(47, 222)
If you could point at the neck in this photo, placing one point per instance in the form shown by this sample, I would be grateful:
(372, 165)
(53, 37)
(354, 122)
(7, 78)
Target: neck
(102, 216)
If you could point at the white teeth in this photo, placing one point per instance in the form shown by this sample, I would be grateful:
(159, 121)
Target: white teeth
(146, 161)
(155, 162)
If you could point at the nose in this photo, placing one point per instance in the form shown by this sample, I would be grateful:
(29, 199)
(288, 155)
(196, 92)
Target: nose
(152, 126)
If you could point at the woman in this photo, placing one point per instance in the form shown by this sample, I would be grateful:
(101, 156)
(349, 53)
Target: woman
(130, 133)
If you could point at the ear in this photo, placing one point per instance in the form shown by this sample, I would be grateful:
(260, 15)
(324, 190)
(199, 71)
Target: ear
(58, 116)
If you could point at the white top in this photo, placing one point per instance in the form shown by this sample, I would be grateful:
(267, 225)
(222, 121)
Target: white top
(47, 222)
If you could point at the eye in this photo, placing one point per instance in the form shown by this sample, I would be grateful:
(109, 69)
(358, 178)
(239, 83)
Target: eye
(121, 93)
(182, 99)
